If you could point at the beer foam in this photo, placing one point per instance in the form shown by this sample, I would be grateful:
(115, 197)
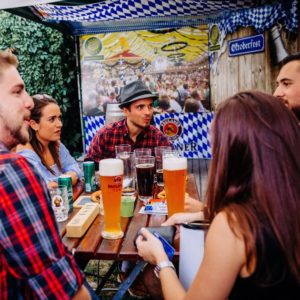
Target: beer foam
(174, 163)
(111, 167)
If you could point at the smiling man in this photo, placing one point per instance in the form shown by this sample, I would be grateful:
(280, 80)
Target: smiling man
(288, 83)
(135, 129)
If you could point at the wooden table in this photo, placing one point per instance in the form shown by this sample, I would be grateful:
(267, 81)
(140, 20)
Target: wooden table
(93, 246)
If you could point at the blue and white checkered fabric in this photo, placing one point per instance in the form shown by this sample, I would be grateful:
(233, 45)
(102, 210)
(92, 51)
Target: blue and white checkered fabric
(195, 132)
(154, 14)
(121, 10)
(92, 124)
(262, 18)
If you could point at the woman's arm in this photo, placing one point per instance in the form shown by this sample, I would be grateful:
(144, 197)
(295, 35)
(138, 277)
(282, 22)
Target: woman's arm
(69, 164)
(73, 176)
(192, 205)
(184, 217)
(224, 257)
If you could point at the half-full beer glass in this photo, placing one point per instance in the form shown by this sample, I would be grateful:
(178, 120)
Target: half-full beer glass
(175, 171)
(111, 177)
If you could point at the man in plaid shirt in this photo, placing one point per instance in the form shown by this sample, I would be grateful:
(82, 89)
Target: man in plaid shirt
(135, 129)
(34, 263)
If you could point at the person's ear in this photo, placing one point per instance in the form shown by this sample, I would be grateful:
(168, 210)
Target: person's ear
(125, 111)
(34, 125)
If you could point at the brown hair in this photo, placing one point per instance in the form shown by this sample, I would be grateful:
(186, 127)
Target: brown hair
(292, 57)
(7, 59)
(40, 101)
(254, 174)
(191, 105)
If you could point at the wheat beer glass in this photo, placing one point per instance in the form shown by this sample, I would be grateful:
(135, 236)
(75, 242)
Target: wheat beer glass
(111, 177)
(175, 171)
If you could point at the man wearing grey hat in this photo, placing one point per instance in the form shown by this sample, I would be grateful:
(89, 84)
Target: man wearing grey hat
(136, 130)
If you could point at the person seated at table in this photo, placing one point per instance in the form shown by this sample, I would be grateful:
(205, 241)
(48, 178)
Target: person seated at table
(252, 248)
(136, 101)
(136, 130)
(44, 150)
(34, 262)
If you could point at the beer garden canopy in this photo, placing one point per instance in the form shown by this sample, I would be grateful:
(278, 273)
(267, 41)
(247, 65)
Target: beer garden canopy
(89, 17)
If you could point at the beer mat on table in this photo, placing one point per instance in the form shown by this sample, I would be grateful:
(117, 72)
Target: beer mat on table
(82, 200)
(154, 208)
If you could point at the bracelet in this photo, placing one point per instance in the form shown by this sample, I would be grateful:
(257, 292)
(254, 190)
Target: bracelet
(162, 265)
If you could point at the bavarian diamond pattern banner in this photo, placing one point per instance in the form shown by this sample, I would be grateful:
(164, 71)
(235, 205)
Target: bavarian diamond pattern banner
(92, 124)
(120, 10)
(228, 14)
(189, 132)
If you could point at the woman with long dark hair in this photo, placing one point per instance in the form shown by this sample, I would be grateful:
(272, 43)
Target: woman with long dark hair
(45, 151)
(252, 248)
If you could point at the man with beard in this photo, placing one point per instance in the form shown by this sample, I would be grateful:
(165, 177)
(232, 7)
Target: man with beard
(137, 105)
(34, 263)
(135, 130)
(288, 83)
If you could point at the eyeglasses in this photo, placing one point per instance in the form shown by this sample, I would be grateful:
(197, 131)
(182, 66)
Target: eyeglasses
(42, 97)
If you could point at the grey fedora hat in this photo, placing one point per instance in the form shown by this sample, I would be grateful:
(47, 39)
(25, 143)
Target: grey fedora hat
(134, 91)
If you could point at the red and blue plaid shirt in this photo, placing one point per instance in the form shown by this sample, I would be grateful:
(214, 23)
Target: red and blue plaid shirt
(34, 263)
(105, 140)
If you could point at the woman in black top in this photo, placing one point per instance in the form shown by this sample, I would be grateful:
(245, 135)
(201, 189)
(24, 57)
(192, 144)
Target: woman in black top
(252, 248)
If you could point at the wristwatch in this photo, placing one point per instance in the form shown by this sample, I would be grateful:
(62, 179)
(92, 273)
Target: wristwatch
(162, 265)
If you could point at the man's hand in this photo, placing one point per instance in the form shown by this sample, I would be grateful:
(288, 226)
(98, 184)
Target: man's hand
(192, 204)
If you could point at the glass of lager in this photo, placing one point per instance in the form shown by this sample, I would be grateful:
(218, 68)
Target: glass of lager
(145, 176)
(111, 177)
(158, 163)
(175, 172)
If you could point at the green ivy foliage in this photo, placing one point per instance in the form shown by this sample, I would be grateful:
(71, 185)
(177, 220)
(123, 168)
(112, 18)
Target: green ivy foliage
(47, 65)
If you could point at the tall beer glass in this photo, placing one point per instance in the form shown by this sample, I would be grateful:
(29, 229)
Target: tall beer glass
(158, 163)
(111, 177)
(175, 171)
(145, 177)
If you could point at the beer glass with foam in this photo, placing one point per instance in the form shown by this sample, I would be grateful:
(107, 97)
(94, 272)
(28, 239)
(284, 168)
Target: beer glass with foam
(111, 177)
(175, 172)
